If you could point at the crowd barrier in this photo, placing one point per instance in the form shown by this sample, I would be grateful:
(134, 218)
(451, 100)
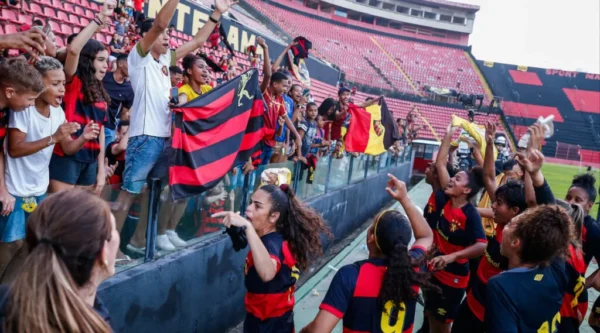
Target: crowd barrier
(200, 287)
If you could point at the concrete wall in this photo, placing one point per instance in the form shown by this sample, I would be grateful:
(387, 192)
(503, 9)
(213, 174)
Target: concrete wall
(201, 288)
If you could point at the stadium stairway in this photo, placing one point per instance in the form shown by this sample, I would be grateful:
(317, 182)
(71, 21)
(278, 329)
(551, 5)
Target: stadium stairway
(378, 71)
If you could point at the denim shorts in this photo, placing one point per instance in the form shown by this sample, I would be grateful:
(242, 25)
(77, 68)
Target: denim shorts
(145, 158)
(12, 227)
(69, 170)
(265, 156)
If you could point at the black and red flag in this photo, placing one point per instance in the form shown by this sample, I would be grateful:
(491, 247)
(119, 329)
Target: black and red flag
(214, 133)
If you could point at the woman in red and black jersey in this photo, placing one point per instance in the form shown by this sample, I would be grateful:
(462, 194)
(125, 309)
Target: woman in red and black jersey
(283, 233)
(85, 102)
(458, 237)
(380, 294)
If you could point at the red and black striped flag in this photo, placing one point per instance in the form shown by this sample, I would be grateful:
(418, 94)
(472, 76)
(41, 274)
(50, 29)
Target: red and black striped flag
(214, 133)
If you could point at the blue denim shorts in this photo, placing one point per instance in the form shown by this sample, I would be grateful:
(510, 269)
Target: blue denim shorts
(12, 227)
(144, 159)
(68, 170)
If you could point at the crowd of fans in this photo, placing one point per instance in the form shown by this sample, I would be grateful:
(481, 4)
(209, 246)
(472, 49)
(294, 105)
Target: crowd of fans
(78, 118)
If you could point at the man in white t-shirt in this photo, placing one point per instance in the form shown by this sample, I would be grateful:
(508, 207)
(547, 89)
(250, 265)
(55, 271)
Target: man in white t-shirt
(150, 118)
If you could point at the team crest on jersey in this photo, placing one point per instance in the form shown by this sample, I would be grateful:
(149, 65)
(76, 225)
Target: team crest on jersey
(538, 277)
(453, 227)
(165, 70)
(441, 312)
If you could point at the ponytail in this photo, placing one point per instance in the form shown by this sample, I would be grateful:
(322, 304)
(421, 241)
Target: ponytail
(300, 225)
(44, 298)
(392, 233)
(49, 304)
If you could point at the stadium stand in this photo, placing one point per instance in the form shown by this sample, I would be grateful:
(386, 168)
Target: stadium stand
(572, 97)
(377, 60)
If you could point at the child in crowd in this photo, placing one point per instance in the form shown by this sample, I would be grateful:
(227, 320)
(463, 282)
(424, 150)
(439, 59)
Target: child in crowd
(115, 152)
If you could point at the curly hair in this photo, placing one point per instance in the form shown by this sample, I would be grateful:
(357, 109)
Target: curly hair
(300, 225)
(392, 234)
(93, 89)
(545, 233)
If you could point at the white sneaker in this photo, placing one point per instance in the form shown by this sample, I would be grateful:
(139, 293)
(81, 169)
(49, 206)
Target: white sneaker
(163, 243)
(175, 240)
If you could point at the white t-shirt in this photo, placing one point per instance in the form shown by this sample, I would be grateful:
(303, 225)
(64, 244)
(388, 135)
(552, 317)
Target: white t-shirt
(29, 175)
(151, 82)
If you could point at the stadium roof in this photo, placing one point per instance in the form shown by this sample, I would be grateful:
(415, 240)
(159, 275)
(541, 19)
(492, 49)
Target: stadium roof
(446, 3)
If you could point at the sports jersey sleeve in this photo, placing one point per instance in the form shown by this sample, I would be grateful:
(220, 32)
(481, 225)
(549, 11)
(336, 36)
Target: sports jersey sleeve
(303, 125)
(4, 114)
(544, 195)
(138, 58)
(340, 291)
(500, 316)
(19, 120)
(275, 252)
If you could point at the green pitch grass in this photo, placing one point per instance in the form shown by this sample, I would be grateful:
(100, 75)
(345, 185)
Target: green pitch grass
(559, 178)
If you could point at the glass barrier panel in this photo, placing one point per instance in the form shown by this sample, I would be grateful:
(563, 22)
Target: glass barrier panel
(373, 162)
(383, 161)
(312, 182)
(131, 216)
(338, 176)
(272, 173)
(358, 168)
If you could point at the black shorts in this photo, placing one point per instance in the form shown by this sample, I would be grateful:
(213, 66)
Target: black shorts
(466, 321)
(444, 306)
(281, 324)
(69, 170)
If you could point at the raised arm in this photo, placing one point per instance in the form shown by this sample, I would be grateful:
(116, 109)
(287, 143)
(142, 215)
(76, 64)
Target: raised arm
(221, 6)
(160, 24)
(423, 234)
(32, 41)
(369, 103)
(90, 132)
(489, 165)
(267, 71)
(442, 158)
(280, 58)
(74, 49)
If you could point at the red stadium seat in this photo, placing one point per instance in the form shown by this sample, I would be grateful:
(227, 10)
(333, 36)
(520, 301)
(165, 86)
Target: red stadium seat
(79, 11)
(59, 42)
(62, 16)
(57, 4)
(68, 8)
(9, 15)
(49, 12)
(74, 19)
(76, 30)
(94, 6)
(10, 29)
(35, 9)
(55, 27)
(89, 14)
(66, 29)
(84, 22)
(1, 30)
(100, 37)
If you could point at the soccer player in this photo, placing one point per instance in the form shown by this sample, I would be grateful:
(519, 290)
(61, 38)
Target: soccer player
(528, 296)
(458, 237)
(380, 294)
(283, 235)
(508, 201)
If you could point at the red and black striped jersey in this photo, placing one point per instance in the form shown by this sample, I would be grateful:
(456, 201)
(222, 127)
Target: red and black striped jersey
(265, 300)
(492, 263)
(79, 112)
(353, 293)
(575, 300)
(4, 113)
(455, 230)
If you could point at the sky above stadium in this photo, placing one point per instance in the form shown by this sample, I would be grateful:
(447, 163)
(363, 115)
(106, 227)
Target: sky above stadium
(550, 34)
